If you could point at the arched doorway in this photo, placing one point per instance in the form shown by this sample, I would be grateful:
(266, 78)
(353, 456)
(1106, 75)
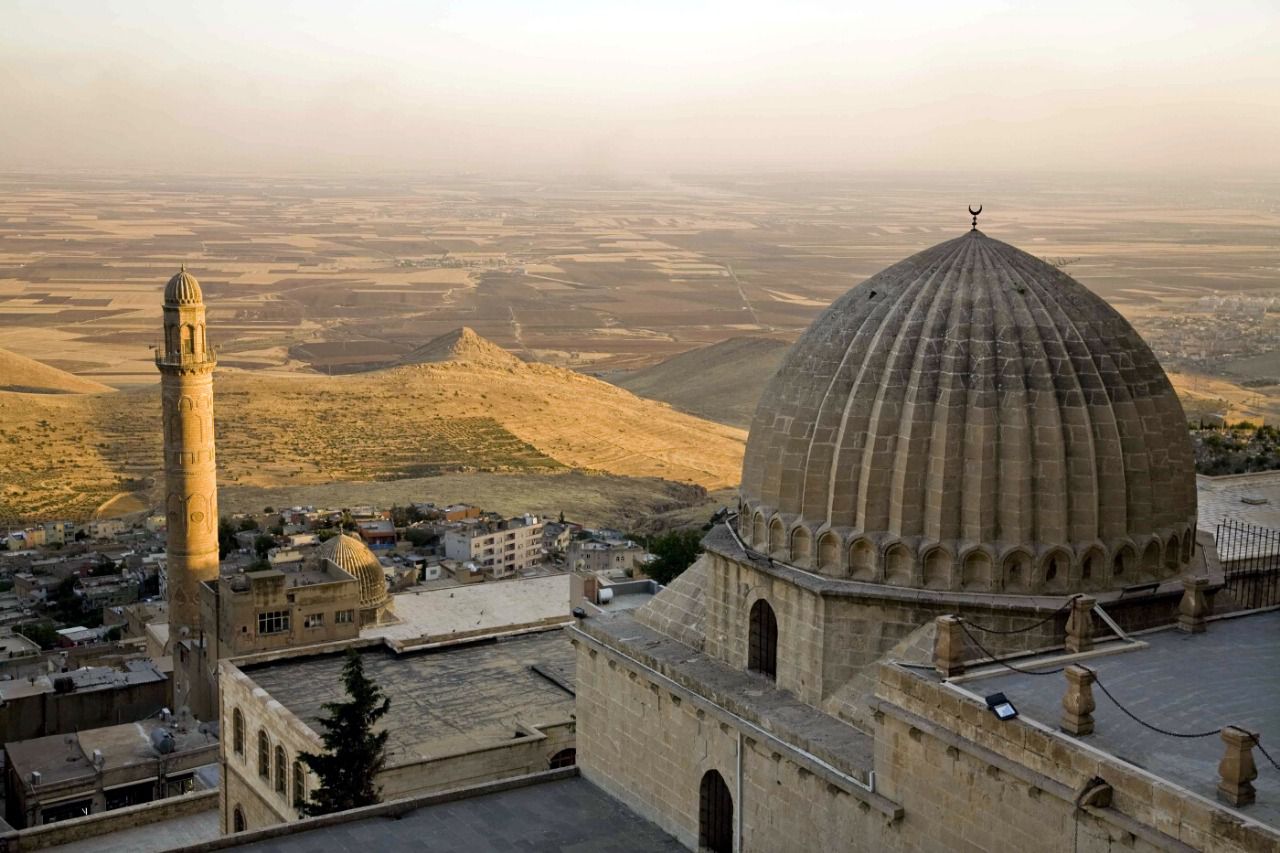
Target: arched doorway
(237, 820)
(715, 814)
(762, 640)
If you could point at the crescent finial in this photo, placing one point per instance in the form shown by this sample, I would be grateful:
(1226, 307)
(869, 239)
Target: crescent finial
(974, 214)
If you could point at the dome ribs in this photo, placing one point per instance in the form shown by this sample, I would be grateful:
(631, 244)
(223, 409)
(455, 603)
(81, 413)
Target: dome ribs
(906, 499)
(946, 469)
(1071, 371)
(1016, 415)
(882, 410)
(973, 400)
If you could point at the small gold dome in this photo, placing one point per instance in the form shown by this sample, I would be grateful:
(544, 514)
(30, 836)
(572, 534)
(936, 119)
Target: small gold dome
(354, 557)
(183, 289)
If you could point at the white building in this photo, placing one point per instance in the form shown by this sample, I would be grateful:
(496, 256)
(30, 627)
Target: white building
(501, 548)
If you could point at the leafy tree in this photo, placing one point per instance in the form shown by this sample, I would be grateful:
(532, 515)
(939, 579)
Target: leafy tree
(354, 752)
(419, 537)
(675, 551)
(226, 537)
(41, 633)
(247, 524)
(262, 544)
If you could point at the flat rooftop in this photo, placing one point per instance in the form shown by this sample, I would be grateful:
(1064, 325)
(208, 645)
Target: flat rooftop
(487, 607)
(445, 700)
(68, 756)
(1236, 497)
(1182, 683)
(564, 815)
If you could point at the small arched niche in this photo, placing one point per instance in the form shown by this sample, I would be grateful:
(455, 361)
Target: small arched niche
(976, 571)
(758, 540)
(897, 565)
(1151, 560)
(1122, 565)
(1055, 570)
(862, 560)
(777, 539)
(1016, 572)
(828, 552)
(800, 543)
(937, 569)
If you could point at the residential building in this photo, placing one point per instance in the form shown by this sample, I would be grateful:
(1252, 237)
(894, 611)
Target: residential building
(500, 548)
(64, 777)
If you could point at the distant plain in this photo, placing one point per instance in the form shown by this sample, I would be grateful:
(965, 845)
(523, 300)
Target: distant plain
(327, 275)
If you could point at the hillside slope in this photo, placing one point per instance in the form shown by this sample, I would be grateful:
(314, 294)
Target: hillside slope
(721, 382)
(19, 373)
(476, 407)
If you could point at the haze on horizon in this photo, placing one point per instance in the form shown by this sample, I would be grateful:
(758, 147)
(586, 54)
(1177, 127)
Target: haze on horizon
(508, 87)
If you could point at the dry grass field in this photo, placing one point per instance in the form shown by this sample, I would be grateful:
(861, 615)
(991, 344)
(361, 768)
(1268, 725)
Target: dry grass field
(471, 407)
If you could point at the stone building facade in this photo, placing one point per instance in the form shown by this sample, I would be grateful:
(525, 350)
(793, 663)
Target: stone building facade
(969, 433)
(492, 716)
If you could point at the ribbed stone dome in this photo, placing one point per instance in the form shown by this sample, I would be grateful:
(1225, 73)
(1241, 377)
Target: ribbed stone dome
(354, 557)
(972, 418)
(182, 289)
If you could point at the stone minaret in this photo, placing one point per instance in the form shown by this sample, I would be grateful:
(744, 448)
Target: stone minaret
(191, 492)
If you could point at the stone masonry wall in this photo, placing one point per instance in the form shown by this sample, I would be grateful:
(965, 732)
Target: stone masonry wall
(968, 781)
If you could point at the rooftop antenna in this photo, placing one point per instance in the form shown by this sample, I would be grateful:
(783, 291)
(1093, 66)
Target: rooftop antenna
(974, 214)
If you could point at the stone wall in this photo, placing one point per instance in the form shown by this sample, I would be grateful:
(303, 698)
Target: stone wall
(825, 640)
(962, 774)
(67, 831)
(949, 776)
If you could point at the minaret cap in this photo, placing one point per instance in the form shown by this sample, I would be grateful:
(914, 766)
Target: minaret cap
(183, 289)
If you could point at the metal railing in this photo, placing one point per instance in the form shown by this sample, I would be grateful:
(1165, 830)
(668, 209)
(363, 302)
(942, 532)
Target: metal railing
(1250, 558)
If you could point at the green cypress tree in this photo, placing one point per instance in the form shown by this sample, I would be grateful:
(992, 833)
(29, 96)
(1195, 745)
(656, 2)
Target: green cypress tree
(354, 752)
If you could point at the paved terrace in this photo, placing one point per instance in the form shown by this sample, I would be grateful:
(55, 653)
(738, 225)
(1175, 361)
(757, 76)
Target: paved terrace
(444, 700)
(1183, 683)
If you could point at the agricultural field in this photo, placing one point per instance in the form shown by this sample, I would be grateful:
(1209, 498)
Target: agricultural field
(324, 291)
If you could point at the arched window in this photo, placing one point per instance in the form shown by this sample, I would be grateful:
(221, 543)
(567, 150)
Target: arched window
(564, 758)
(237, 820)
(264, 755)
(715, 814)
(188, 341)
(281, 770)
(762, 640)
(299, 785)
(237, 732)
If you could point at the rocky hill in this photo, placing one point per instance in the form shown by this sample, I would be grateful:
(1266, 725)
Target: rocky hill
(19, 373)
(467, 406)
(721, 382)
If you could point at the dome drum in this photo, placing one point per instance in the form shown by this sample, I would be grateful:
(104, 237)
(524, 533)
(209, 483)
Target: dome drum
(967, 566)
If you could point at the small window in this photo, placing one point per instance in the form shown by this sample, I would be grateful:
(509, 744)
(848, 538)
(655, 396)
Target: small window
(273, 622)
(299, 785)
(264, 755)
(563, 758)
(344, 617)
(281, 769)
(313, 620)
(237, 732)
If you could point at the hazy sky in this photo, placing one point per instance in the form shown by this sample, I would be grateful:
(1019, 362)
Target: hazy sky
(644, 86)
